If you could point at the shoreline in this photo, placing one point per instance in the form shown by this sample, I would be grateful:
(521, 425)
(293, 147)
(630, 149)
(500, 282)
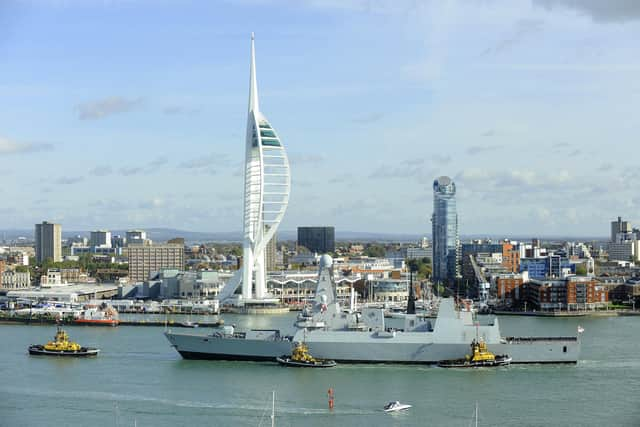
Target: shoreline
(594, 313)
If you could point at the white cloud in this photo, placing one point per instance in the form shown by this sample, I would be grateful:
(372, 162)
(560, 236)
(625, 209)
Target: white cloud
(599, 10)
(9, 146)
(106, 107)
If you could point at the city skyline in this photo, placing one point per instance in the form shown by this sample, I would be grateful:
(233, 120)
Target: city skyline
(493, 94)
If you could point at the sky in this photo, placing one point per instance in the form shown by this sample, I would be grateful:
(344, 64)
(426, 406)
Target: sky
(132, 113)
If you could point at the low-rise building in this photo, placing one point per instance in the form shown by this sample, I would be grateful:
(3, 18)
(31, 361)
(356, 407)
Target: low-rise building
(12, 279)
(388, 290)
(510, 287)
(145, 259)
(570, 293)
(624, 250)
(551, 266)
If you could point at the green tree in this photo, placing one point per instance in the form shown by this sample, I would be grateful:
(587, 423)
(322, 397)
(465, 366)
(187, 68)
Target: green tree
(581, 270)
(375, 251)
(422, 266)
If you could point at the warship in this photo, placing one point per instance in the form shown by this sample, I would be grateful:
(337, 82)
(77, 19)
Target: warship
(352, 336)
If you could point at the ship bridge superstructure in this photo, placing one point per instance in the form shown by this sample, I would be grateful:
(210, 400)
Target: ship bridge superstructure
(267, 185)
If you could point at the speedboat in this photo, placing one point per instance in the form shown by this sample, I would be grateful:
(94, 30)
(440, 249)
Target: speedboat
(189, 324)
(395, 406)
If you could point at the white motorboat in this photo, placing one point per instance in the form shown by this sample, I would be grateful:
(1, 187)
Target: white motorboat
(395, 406)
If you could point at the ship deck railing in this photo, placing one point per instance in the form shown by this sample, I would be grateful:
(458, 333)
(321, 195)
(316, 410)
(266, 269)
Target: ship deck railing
(516, 340)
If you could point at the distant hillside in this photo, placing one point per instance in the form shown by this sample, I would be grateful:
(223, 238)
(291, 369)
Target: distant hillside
(164, 234)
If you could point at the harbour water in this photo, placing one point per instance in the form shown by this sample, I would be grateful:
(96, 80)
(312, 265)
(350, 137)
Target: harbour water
(138, 378)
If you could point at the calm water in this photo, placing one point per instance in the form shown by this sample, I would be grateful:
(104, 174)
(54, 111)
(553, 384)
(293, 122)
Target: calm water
(139, 378)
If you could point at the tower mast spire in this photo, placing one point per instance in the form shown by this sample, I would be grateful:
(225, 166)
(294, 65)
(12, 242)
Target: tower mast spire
(253, 82)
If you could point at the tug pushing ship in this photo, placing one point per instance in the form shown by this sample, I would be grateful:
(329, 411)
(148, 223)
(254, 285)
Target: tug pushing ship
(480, 356)
(300, 357)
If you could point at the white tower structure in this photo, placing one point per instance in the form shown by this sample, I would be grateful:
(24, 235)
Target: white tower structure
(267, 183)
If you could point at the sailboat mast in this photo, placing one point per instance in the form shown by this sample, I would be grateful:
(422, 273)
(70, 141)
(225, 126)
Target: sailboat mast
(273, 408)
(476, 413)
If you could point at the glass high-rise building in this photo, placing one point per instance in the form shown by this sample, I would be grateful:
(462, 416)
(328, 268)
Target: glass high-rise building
(317, 239)
(444, 223)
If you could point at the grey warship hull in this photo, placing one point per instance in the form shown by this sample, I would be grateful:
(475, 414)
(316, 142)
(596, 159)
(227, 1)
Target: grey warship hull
(352, 336)
(361, 347)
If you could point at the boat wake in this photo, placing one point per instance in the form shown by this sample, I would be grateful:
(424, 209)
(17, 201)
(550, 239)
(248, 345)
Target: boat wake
(249, 409)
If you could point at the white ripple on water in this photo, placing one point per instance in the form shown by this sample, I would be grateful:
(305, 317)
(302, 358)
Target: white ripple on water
(258, 406)
(609, 363)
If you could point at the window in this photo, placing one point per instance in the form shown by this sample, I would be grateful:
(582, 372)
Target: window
(564, 349)
(271, 142)
(268, 133)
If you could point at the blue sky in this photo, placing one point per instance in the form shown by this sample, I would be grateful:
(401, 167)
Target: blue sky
(125, 113)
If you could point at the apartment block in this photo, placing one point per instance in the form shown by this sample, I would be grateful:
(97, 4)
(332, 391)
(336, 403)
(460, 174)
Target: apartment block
(145, 259)
(48, 239)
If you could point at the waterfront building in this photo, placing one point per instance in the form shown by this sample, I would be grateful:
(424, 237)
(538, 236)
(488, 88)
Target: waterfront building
(572, 292)
(48, 242)
(2, 264)
(317, 239)
(300, 287)
(388, 289)
(267, 183)
(444, 222)
(71, 293)
(510, 287)
(100, 239)
(145, 259)
(188, 284)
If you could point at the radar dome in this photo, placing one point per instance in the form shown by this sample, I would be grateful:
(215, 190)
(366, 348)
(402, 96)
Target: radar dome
(326, 261)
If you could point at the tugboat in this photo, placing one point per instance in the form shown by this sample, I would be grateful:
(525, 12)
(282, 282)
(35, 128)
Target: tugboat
(300, 357)
(480, 356)
(61, 346)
